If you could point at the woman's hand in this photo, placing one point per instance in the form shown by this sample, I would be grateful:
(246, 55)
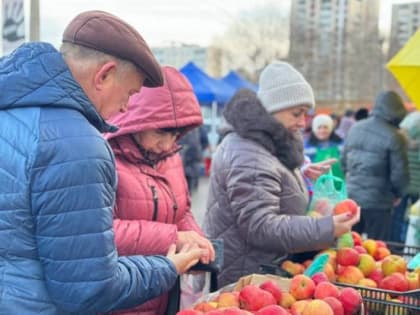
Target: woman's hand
(187, 256)
(344, 222)
(193, 238)
(314, 170)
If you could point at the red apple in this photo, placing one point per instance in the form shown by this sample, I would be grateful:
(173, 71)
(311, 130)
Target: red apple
(272, 310)
(319, 277)
(376, 275)
(273, 288)
(325, 289)
(302, 287)
(347, 257)
(394, 282)
(350, 275)
(347, 205)
(360, 249)
(357, 238)
(335, 305)
(381, 253)
(351, 300)
(252, 298)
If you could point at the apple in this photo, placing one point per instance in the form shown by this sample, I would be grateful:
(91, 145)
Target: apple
(380, 244)
(323, 206)
(350, 275)
(335, 305)
(252, 298)
(370, 245)
(392, 264)
(189, 312)
(351, 300)
(286, 299)
(228, 299)
(205, 307)
(413, 280)
(292, 268)
(325, 289)
(302, 287)
(394, 282)
(330, 272)
(273, 288)
(381, 253)
(317, 307)
(366, 264)
(360, 249)
(357, 238)
(272, 310)
(319, 277)
(348, 257)
(298, 307)
(376, 275)
(369, 283)
(347, 205)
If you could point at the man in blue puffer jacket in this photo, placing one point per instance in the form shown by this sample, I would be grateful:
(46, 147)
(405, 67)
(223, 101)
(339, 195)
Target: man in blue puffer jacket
(57, 174)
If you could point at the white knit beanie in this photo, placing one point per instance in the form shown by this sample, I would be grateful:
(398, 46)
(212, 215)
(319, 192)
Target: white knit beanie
(322, 120)
(281, 86)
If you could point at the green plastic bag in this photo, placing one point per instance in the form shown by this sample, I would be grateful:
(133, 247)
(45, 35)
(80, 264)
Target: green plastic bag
(325, 196)
(328, 190)
(333, 152)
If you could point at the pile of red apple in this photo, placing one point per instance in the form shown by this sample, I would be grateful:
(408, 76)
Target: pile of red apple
(304, 297)
(369, 263)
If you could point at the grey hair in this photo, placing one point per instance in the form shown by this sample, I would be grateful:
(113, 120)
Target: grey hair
(88, 57)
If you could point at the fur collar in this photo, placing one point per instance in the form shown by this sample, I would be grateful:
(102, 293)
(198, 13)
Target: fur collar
(249, 119)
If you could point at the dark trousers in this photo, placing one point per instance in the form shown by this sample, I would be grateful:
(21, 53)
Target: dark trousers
(376, 223)
(399, 223)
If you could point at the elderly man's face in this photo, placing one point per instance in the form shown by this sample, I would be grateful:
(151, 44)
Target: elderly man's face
(115, 97)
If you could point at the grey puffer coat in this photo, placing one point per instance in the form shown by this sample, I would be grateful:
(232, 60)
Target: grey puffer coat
(257, 197)
(374, 156)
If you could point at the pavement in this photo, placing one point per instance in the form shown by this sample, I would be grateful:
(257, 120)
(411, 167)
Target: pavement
(199, 200)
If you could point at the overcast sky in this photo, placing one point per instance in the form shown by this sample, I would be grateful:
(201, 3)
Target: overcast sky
(164, 21)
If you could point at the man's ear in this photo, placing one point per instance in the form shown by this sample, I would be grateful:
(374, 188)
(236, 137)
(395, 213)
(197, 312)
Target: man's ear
(105, 74)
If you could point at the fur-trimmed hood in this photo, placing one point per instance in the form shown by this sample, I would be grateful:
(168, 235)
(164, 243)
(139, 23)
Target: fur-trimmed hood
(246, 116)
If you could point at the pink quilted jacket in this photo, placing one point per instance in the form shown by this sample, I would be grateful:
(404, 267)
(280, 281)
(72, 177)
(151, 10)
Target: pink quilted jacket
(152, 202)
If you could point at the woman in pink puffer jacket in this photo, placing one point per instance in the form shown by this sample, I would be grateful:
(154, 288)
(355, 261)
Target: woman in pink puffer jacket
(152, 208)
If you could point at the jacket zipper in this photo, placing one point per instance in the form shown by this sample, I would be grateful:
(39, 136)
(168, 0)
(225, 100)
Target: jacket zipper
(155, 203)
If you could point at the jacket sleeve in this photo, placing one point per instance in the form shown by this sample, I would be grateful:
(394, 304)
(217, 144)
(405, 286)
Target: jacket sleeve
(135, 237)
(399, 166)
(73, 188)
(254, 198)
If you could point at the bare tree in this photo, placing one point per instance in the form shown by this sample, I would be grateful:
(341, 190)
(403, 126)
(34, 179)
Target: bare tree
(256, 38)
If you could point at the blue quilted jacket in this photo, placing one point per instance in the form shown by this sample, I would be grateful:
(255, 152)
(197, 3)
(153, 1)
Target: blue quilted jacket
(57, 187)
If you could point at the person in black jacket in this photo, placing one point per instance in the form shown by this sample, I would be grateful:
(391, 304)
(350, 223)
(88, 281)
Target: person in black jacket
(375, 163)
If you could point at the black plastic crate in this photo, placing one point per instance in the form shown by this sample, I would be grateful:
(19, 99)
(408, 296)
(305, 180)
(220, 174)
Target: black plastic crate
(376, 301)
(406, 251)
